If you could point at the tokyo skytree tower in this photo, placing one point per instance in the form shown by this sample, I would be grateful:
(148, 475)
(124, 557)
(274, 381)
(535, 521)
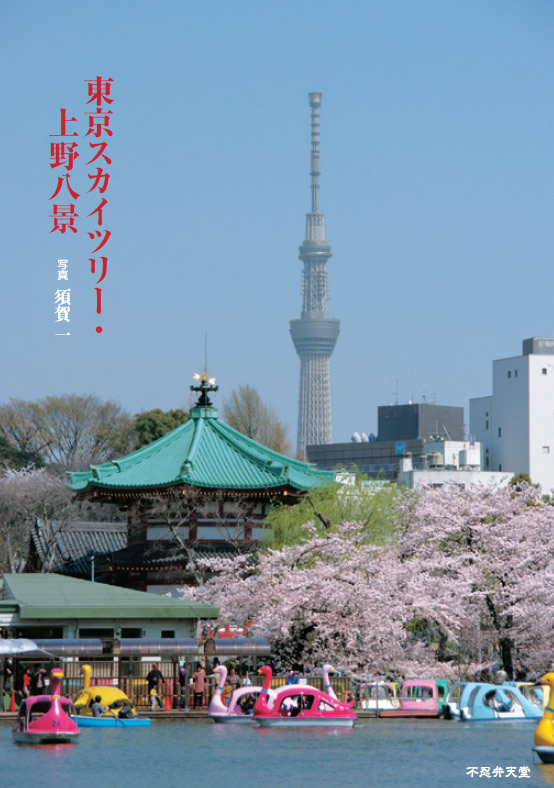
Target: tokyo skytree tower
(315, 334)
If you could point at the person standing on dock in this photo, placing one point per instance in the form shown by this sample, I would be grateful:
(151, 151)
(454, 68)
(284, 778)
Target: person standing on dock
(233, 679)
(38, 680)
(292, 677)
(183, 686)
(8, 675)
(198, 685)
(154, 678)
(27, 681)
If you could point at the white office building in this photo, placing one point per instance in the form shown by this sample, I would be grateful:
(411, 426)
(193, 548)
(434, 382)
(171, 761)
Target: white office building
(515, 426)
(450, 463)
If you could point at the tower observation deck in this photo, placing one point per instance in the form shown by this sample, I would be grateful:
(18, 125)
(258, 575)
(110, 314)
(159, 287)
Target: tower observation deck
(315, 334)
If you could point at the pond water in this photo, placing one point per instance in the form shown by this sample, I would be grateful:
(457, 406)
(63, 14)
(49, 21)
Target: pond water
(171, 754)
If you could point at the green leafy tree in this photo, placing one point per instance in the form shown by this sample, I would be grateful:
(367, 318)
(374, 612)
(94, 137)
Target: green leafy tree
(153, 424)
(378, 507)
(245, 412)
(520, 480)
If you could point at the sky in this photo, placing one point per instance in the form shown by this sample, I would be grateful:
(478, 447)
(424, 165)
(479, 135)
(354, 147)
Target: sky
(437, 181)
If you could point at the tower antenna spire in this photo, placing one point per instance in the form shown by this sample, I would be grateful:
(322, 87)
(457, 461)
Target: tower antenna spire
(315, 103)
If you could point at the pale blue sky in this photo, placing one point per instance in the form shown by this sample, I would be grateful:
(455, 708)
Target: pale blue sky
(437, 159)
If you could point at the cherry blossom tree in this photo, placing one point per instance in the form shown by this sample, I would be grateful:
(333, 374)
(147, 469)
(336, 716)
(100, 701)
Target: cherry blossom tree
(501, 542)
(469, 580)
(339, 598)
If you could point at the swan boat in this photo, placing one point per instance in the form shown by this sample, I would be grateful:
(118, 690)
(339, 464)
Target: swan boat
(481, 701)
(420, 698)
(110, 697)
(301, 706)
(544, 733)
(243, 699)
(378, 696)
(241, 704)
(45, 719)
(533, 691)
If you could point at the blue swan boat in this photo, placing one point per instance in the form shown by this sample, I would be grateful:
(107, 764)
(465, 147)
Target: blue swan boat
(495, 702)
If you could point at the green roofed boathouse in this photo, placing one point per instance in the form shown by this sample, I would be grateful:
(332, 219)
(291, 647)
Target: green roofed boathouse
(39, 606)
(201, 490)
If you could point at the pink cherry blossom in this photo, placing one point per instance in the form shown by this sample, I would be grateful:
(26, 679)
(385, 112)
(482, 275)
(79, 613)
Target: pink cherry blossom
(468, 582)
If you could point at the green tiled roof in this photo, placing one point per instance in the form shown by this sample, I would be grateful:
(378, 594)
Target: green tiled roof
(203, 452)
(53, 596)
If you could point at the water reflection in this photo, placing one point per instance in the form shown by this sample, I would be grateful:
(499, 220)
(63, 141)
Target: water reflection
(377, 753)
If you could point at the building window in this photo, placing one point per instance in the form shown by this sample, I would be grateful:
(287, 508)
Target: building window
(486, 424)
(544, 370)
(515, 373)
(546, 449)
(509, 373)
(96, 632)
(500, 467)
(131, 632)
(500, 432)
(168, 633)
(33, 632)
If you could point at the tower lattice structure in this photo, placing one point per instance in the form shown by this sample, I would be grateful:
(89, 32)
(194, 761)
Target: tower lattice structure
(315, 334)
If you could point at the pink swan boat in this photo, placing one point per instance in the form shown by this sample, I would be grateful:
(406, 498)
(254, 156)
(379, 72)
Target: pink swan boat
(241, 703)
(44, 719)
(301, 706)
